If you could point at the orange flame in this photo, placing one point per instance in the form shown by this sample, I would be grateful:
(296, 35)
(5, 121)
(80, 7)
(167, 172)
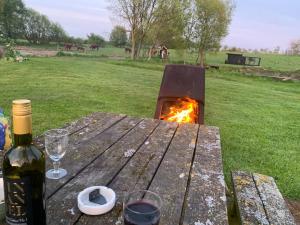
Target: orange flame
(184, 111)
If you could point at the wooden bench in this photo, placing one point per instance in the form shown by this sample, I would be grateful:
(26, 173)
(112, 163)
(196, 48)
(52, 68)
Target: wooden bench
(258, 200)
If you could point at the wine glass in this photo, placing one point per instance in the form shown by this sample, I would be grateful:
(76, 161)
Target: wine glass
(142, 208)
(56, 142)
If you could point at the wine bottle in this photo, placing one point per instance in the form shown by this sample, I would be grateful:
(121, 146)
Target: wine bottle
(24, 172)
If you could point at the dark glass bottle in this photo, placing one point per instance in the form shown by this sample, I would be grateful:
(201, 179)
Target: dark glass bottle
(24, 172)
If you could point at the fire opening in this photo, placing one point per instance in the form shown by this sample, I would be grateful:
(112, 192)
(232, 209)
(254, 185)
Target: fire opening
(183, 110)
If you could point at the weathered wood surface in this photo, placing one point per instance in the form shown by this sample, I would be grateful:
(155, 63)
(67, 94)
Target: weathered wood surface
(249, 204)
(276, 209)
(206, 199)
(82, 150)
(77, 125)
(170, 181)
(137, 174)
(100, 172)
(259, 201)
(130, 154)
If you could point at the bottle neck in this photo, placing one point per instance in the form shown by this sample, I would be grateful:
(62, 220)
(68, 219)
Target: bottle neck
(22, 130)
(22, 139)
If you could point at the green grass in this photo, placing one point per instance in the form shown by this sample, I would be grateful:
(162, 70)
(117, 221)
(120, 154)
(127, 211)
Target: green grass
(268, 61)
(259, 117)
(274, 62)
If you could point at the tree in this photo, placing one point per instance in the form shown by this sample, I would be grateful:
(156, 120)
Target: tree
(209, 24)
(57, 33)
(225, 47)
(79, 41)
(11, 18)
(1, 5)
(295, 47)
(276, 50)
(96, 39)
(39, 29)
(167, 25)
(35, 26)
(118, 36)
(139, 15)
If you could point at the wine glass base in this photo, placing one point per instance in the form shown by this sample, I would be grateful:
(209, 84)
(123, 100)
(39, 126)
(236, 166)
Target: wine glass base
(56, 174)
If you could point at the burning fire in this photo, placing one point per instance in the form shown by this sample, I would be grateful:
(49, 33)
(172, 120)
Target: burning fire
(184, 111)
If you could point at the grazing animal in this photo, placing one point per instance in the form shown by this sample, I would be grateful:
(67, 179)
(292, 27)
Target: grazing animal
(80, 48)
(68, 46)
(163, 52)
(94, 46)
(127, 50)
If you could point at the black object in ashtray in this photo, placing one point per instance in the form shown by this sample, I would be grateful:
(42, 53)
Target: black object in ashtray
(96, 197)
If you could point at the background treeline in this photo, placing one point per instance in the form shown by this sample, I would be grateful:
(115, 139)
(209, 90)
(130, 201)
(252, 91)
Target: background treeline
(19, 22)
(179, 24)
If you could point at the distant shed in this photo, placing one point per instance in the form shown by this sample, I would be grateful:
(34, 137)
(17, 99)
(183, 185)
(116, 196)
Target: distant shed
(236, 59)
(239, 59)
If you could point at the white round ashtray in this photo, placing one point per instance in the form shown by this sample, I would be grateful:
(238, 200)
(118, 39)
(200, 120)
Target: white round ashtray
(88, 207)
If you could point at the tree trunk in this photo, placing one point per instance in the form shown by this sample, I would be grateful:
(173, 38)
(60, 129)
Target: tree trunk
(202, 57)
(138, 50)
(150, 53)
(133, 45)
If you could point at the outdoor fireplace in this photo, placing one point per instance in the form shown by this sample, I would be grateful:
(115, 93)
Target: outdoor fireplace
(182, 94)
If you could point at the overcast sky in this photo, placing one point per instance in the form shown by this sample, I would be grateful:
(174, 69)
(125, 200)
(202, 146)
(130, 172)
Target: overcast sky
(255, 23)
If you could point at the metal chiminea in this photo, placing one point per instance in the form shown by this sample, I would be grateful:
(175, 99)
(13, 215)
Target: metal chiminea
(180, 82)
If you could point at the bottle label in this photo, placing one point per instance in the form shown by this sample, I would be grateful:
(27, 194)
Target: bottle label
(17, 201)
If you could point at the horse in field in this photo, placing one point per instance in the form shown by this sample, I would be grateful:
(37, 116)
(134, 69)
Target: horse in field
(80, 48)
(94, 46)
(68, 46)
(163, 52)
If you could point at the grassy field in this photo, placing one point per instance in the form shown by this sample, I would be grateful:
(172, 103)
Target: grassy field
(274, 62)
(269, 61)
(259, 118)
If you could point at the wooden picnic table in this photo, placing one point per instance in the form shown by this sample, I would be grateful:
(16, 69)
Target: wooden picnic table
(182, 163)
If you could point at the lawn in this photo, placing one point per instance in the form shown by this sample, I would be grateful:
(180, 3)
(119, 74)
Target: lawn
(259, 117)
(269, 61)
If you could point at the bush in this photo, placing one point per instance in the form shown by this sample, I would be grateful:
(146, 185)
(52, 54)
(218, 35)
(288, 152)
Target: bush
(10, 52)
(61, 53)
(96, 39)
(118, 36)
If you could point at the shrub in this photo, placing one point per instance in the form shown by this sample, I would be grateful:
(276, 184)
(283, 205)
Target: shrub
(9, 51)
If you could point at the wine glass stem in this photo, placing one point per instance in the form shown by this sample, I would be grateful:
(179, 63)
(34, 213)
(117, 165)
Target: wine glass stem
(56, 167)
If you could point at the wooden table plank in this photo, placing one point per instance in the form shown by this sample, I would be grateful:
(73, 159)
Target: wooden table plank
(206, 199)
(77, 125)
(249, 204)
(137, 173)
(62, 206)
(275, 206)
(171, 179)
(84, 143)
(129, 154)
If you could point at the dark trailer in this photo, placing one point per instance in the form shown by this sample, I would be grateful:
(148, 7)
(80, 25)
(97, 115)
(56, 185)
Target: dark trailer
(239, 59)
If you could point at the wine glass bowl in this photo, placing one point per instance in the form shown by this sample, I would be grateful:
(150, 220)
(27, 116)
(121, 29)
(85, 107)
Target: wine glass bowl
(56, 142)
(142, 208)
